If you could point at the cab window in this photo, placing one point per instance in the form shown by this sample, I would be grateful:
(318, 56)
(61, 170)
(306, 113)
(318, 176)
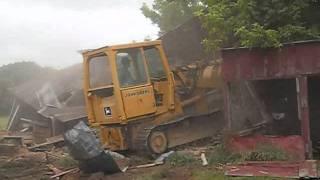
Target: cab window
(131, 68)
(99, 71)
(155, 65)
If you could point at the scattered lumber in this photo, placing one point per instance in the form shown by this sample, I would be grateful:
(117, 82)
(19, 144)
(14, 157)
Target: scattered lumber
(54, 169)
(64, 173)
(50, 141)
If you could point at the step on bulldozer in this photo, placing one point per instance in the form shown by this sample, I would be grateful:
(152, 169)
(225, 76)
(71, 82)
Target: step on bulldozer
(137, 103)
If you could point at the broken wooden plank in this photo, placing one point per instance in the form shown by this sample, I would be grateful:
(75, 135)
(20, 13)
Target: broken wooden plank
(54, 169)
(25, 129)
(254, 128)
(64, 173)
(34, 122)
(50, 141)
(12, 119)
(146, 166)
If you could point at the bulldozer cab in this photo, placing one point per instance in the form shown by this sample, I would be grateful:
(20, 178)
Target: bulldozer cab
(125, 82)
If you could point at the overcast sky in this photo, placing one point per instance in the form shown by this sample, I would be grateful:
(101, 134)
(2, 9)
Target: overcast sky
(50, 32)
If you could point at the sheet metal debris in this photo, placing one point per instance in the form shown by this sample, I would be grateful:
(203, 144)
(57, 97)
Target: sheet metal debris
(50, 141)
(163, 157)
(159, 161)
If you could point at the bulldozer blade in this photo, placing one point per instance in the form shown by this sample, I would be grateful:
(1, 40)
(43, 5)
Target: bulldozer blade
(194, 128)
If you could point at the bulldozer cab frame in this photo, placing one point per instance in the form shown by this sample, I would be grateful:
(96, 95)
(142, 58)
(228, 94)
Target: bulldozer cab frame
(131, 100)
(125, 82)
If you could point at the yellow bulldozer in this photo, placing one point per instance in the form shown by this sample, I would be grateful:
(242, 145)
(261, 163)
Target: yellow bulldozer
(136, 102)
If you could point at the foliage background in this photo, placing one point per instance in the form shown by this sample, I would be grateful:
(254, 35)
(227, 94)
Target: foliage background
(168, 14)
(248, 23)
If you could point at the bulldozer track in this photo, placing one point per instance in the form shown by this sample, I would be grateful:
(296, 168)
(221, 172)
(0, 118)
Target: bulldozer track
(142, 143)
(141, 140)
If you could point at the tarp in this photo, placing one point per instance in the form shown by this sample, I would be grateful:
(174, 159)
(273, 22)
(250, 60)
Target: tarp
(85, 147)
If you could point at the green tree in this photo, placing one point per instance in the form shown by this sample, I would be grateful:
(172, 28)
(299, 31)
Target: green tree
(168, 14)
(262, 23)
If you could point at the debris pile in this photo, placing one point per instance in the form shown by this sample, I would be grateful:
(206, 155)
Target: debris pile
(48, 106)
(25, 164)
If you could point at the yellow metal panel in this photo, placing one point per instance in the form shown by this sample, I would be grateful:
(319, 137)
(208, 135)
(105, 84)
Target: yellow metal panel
(92, 52)
(97, 108)
(162, 88)
(138, 101)
(90, 103)
(117, 93)
(112, 138)
(109, 102)
(137, 44)
(171, 83)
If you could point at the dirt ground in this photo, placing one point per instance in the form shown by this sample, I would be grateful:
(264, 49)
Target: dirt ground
(30, 165)
(25, 165)
(160, 172)
(185, 164)
(42, 165)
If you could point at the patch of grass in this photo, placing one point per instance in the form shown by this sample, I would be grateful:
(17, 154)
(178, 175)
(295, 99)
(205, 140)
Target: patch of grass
(156, 175)
(177, 159)
(221, 155)
(208, 175)
(266, 153)
(3, 122)
(66, 162)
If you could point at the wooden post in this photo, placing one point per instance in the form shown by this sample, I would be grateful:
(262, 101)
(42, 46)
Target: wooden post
(227, 106)
(303, 113)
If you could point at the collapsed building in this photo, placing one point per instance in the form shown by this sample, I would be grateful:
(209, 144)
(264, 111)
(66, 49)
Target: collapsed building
(48, 106)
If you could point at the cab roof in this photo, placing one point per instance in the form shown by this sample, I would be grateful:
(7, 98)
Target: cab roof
(120, 46)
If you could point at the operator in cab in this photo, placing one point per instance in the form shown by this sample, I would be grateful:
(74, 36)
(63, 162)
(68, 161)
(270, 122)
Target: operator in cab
(125, 77)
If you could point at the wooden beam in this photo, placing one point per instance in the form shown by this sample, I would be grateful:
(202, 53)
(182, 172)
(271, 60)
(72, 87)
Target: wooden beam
(34, 122)
(13, 117)
(303, 112)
